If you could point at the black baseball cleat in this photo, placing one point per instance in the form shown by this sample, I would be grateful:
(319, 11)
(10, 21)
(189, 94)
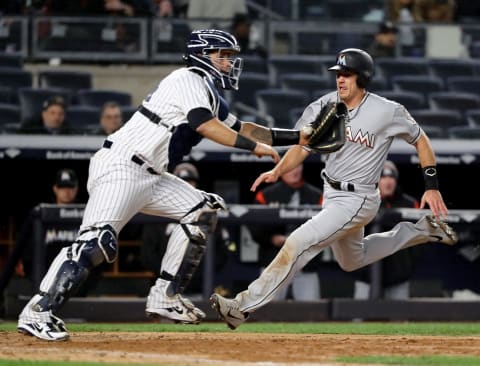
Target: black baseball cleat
(439, 231)
(228, 310)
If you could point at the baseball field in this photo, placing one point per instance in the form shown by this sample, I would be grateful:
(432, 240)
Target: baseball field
(260, 344)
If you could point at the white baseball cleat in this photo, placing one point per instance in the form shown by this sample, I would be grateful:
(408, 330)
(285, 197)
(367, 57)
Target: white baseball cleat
(43, 325)
(439, 231)
(228, 310)
(176, 307)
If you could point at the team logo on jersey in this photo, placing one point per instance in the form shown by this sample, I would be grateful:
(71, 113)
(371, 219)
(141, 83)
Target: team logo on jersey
(360, 138)
(341, 60)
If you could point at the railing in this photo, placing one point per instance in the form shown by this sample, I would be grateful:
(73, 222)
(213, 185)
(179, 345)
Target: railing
(237, 214)
(149, 40)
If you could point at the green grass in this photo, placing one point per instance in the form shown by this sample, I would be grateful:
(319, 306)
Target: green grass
(370, 328)
(412, 361)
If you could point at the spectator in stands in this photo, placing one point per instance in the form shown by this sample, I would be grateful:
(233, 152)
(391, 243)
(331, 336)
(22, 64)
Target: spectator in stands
(110, 118)
(246, 36)
(221, 11)
(290, 190)
(385, 41)
(396, 269)
(404, 11)
(51, 120)
(155, 238)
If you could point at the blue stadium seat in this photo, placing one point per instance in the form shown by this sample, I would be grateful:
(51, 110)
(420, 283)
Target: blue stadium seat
(411, 100)
(445, 68)
(390, 67)
(249, 83)
(443, 119)
(127, 112)
(434, 132)
(464, 132)
(278, 103)
(294, 115)
(280, 65)
(378, 83)
(83, 119)
(418, 83)
(70, 80)
(9, 117)
(454, 101)
(10, 60)
(473, 117)
(11, 79)
(97, 98)
(254, 64)
(305, 82)
(464, 84)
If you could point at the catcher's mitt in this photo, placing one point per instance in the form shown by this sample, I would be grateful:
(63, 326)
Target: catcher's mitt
(327, 131)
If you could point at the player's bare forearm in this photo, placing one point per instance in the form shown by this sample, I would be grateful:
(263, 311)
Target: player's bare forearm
(218, 132)
(425, 152)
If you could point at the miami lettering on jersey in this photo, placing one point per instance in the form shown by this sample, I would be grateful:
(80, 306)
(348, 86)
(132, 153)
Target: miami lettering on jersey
(360, 138)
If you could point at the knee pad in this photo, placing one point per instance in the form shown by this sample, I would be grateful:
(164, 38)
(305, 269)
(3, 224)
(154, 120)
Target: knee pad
(96, 245)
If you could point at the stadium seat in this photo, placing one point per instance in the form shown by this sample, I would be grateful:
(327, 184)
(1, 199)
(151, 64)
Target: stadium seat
(434, 132)
(378, 83)
(445, 68)
(411, 100)
(11, 79)
(294, 114)
(96, 98)
(443, 119)
(70, 80)
(390, 67)
(464, 84)
(32, 99)
(473, 117)
(463, 132)
(249, 83)
(417, 83)
(336, 9)
(280, 65)
(454, 101)
(10, 60)
(254, 64)
(278, 103)
(9, 117)
(83, 119)
(305, 82)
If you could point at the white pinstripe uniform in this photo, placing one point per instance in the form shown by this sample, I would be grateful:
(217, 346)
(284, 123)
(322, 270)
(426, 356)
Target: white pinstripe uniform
(119, 187)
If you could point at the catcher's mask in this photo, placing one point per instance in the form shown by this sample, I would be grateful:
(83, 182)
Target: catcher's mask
(202, 43)
(357, 61)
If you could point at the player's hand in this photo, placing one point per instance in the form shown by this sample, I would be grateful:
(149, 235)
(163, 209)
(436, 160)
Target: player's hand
(434, 199)
(267, 177)
(263, 149)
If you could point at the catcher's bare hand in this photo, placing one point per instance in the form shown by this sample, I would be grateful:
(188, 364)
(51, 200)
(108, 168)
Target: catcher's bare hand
(266, 150)
(267, 177)
(434, 199)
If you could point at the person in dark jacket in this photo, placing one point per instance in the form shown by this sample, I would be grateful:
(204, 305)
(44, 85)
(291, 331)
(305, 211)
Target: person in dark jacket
(291, 190)
(51, 120)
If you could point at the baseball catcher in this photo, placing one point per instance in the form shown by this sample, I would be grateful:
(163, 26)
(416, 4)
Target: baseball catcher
(327, 132)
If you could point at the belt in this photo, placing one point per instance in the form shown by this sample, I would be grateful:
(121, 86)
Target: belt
(153, 117)
(345, 186)
(107, 144)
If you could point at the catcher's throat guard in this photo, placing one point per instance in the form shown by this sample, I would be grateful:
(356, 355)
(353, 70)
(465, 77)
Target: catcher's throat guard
(327, 131)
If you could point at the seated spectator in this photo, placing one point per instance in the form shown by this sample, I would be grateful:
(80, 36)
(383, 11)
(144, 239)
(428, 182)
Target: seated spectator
(246, 36)
(385, 42)
(51, 120)
(110, 119)
(437, 11)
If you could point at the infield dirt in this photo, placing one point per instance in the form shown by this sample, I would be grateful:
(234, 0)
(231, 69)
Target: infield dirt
(227, 349)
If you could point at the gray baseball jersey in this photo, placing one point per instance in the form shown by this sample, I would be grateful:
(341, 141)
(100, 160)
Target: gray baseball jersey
(349, 206)
(370, 131)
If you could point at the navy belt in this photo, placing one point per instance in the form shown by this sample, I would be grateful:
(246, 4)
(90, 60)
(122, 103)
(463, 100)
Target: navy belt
(107, 144)
(153, 117)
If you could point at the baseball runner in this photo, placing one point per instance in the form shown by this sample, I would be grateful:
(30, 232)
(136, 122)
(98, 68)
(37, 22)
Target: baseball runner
(351, 196)
(128, 175)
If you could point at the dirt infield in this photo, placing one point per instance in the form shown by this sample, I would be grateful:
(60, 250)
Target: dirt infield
(229, 348)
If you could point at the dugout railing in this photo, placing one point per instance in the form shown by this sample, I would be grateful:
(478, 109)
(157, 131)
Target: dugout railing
(238, 215)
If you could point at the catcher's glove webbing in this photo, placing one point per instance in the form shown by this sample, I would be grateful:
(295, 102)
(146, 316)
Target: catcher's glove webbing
(327, 131)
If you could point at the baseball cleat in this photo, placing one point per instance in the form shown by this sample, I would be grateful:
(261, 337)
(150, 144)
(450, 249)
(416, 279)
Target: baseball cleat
(439, 231)
(43, 325)
(176, 308)
(228, 310)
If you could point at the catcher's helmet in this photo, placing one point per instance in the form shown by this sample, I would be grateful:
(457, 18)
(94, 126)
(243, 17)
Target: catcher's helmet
(201, 43)
(357, 61)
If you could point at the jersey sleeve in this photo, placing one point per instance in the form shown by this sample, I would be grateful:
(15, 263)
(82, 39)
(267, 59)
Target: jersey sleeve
(404, 125)
(192, 94)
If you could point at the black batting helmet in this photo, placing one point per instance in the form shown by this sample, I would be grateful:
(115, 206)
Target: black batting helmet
(357, 61)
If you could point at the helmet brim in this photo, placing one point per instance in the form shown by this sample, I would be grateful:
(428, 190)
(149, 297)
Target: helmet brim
(337, 67)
